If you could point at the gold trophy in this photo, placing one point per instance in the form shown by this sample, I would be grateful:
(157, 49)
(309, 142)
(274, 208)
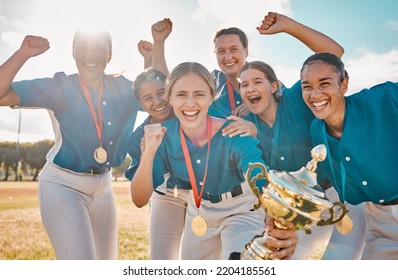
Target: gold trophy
(291, 197)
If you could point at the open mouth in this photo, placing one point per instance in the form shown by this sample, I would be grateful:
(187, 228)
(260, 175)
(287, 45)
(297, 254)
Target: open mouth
(90, 65)
(254, 99)
(190, 115)
(229, 65)
(319, 105)
(160, 109)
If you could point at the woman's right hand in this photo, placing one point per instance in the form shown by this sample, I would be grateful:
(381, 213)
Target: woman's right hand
(274, 23)
(153, 135)
(161, 30)
(34, 45)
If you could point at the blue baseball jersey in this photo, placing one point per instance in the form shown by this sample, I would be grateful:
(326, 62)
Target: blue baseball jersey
(367, 150)
(228, 162)
(221, 106)
(287, 144)
(75, 133)
(134, 150)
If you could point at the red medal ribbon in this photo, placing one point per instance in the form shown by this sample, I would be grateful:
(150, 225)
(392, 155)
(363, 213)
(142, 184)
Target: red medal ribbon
(188, 163)
(97, 120)
(231, 96)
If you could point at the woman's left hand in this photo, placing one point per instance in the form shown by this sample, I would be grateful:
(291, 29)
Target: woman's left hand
(240, 127)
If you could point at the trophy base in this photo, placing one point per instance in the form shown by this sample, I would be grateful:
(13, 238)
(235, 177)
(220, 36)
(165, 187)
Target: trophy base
(256, 249)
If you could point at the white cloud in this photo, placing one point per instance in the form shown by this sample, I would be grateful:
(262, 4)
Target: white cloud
(249, 13)
(12, 38)
(200, 15)
(35, 125)
(392, 24)
(372, 68)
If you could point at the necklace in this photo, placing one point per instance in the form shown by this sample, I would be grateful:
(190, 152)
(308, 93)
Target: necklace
(100, 154)
(199, 224)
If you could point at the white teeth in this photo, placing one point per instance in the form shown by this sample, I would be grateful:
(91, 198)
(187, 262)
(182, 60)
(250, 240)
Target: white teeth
(254, 98)
(230, 64)
(159, 109)
(320, 104)
(91, 64)
(190, 113)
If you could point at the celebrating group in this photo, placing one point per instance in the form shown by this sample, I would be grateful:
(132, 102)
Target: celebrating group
(191, 155)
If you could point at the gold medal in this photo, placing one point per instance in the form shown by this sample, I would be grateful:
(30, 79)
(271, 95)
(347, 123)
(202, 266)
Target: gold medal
(345, 225)
(175, 191)
(199, 226)
(100, 155)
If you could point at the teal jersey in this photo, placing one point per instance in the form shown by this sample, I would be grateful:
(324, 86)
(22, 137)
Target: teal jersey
(221, 106)
(287, 144)
(363, 163)
(228, 162)
(75, 132)
(134, 150)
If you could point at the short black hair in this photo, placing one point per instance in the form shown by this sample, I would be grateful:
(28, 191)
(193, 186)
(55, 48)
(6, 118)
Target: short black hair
(331, 59)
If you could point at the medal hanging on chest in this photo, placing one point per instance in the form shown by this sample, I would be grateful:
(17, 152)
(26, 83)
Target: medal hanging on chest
(100, 155)
(199, 224)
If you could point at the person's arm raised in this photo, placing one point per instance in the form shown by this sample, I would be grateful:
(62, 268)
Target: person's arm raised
(160, 31)
(31, 46)
(145, 48)
(142, 183)
(318, 42)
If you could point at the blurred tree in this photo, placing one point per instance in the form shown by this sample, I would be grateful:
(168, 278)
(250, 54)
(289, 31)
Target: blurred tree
(35, 155)
(7, 157)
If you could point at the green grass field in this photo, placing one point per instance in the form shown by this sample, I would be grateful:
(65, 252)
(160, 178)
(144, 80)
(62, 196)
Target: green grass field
(22, 235)
(24, 238)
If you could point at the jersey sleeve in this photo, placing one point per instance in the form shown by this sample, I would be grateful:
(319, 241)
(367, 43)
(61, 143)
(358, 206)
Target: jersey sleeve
(161, 174)
(47, 93)
(134, 151)
(249, 153)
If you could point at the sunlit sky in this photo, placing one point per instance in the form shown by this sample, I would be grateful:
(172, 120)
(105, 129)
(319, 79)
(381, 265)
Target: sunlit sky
(367, 29)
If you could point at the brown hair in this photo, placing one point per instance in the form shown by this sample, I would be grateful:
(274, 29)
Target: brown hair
(268, 72)
(233, 31)
(186, 68)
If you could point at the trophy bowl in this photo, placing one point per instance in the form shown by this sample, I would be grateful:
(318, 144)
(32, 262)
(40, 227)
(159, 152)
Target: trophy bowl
(291, 197)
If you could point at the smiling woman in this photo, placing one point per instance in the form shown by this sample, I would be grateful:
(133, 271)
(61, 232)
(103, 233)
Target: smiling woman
(180, 153)
(374, 47)
(93, 115)
(360, 169)
(284, 123)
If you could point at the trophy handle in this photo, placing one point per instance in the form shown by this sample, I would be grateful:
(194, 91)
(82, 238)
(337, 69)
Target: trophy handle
(252, 180)
(333, 219)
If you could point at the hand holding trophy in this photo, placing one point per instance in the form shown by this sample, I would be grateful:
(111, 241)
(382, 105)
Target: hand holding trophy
(290, 197)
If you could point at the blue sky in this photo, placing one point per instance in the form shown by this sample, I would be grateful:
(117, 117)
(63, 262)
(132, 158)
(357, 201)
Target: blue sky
(367, 29)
